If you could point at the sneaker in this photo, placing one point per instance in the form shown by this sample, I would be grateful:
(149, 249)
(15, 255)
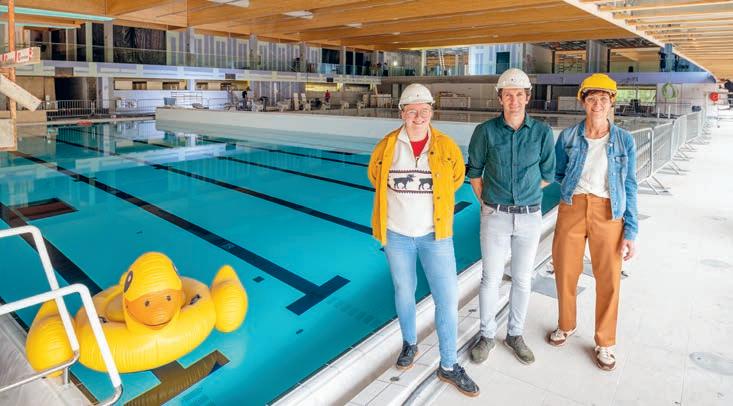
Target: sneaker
(558, 337)
(458, 378)
(480, 351)
(523, 353)
(605, 358)
(407, 356)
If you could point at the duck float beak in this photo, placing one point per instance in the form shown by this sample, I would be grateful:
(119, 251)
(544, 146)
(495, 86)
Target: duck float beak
(155, 309)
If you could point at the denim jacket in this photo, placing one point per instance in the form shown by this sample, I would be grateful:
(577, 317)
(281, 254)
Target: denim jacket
(570, 153)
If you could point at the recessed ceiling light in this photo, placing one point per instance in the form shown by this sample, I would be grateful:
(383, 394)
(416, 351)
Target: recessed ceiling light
(299, 14)
(354, 25)
(237, 3)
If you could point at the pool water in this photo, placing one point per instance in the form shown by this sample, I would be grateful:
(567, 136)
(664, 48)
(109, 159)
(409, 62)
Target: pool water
(294, 223)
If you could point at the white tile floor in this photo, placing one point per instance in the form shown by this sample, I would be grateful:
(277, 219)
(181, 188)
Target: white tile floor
(677, 301)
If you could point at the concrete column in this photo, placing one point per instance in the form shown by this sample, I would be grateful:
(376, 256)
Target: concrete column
(596, 55)
(70, 34)
(669, 58)
(88, 39)
(303, 57)
(47, 53)
(353, 62)
(108, 42)
(253, 60)
(342, 59)
(190, 47)
(190, 85)
(423, 62)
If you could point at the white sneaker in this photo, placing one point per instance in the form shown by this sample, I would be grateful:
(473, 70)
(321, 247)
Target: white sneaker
(558, 337)
(605, 358)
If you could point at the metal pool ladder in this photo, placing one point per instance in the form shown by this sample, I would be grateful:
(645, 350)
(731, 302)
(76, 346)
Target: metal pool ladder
(56, 293)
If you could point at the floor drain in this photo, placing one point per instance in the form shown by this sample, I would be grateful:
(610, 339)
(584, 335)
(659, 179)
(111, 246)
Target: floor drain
(713, 363)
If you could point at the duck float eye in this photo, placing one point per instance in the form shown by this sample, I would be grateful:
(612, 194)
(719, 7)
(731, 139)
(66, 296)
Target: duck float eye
(147, 303)
(168, 298)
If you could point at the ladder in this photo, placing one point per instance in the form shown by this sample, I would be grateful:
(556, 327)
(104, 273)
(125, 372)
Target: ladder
(57, 293)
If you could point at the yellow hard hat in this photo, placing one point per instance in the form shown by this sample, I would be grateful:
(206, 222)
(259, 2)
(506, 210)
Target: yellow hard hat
(597, 81)
(151, 272)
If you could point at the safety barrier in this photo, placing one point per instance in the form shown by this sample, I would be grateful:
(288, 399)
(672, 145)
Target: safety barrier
(56, 293)
(658, 147)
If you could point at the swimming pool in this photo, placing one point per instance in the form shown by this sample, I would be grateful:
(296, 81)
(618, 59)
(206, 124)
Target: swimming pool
(293, 221)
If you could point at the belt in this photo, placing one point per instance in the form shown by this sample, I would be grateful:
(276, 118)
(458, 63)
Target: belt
(506, 208)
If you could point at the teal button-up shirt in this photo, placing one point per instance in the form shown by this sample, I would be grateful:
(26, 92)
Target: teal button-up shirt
(512, 163)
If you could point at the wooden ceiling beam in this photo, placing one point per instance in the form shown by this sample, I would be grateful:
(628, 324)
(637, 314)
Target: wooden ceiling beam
(488, 31)
(533, 37)
(656, 15)
(642, 24)
(665, 5)
(22, 19)
(385, 10)
(701, 28)
(118, 7)
(451, 21)
(256, 9)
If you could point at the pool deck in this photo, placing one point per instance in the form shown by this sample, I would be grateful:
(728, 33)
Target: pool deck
(676, 310)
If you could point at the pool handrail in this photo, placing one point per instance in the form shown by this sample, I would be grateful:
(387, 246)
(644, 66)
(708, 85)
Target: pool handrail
(56, 293)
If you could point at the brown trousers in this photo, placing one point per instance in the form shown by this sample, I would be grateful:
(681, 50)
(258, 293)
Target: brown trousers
(588, 218)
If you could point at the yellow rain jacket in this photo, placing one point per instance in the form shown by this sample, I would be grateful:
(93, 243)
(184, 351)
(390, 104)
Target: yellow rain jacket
(448, 171)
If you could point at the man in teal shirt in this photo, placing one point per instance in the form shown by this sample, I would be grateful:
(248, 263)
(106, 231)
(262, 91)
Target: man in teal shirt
(511, 158)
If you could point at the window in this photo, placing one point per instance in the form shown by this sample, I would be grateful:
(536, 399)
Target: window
(139, 85)
(502, 62)
(171, 85)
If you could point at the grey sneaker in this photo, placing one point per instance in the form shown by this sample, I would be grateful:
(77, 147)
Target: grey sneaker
(523, 353)
(480, 351)
(407, 356)
(458, 378)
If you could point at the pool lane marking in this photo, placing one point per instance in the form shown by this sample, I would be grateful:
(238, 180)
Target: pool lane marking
(277, 151)
(61, 263)
(240, 189)
(313, 294)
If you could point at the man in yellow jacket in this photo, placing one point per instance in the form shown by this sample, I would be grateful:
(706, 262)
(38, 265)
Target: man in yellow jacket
(416, 170)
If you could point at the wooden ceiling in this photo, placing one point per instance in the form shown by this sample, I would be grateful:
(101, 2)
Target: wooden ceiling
(699, 29)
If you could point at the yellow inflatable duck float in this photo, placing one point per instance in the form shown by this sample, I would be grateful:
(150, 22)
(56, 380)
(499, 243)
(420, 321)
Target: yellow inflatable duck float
(152, 317)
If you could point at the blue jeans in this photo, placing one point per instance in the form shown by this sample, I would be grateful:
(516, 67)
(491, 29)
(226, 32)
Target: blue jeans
(439, 263)
(500, 233)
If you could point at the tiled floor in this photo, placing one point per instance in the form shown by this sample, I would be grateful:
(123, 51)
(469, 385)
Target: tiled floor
(678, 300)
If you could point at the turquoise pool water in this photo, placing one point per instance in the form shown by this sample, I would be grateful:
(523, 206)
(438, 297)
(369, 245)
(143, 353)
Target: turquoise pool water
(294, 222)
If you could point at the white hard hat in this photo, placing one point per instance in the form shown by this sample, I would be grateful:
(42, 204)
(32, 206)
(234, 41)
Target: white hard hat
(415, 93)
(513, 79)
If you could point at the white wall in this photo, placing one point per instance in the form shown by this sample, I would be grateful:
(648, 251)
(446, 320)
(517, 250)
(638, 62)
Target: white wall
(482, 58)
(688, 95)
(537, 59)
(314, 124)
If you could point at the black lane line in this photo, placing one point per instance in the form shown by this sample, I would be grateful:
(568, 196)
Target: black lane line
(292, 172)
(61, 263)
(313, 293)
(303, 209)
(460, 206)
(277, 151)
(275, 168)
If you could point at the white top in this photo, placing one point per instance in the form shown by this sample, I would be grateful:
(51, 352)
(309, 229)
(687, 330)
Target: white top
(410, 190)
(594, 178)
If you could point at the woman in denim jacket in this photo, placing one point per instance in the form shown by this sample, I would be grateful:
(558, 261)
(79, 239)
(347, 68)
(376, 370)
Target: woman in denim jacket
(596, 169)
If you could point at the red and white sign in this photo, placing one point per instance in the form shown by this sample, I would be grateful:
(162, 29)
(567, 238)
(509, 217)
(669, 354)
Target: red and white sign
(26, 56)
